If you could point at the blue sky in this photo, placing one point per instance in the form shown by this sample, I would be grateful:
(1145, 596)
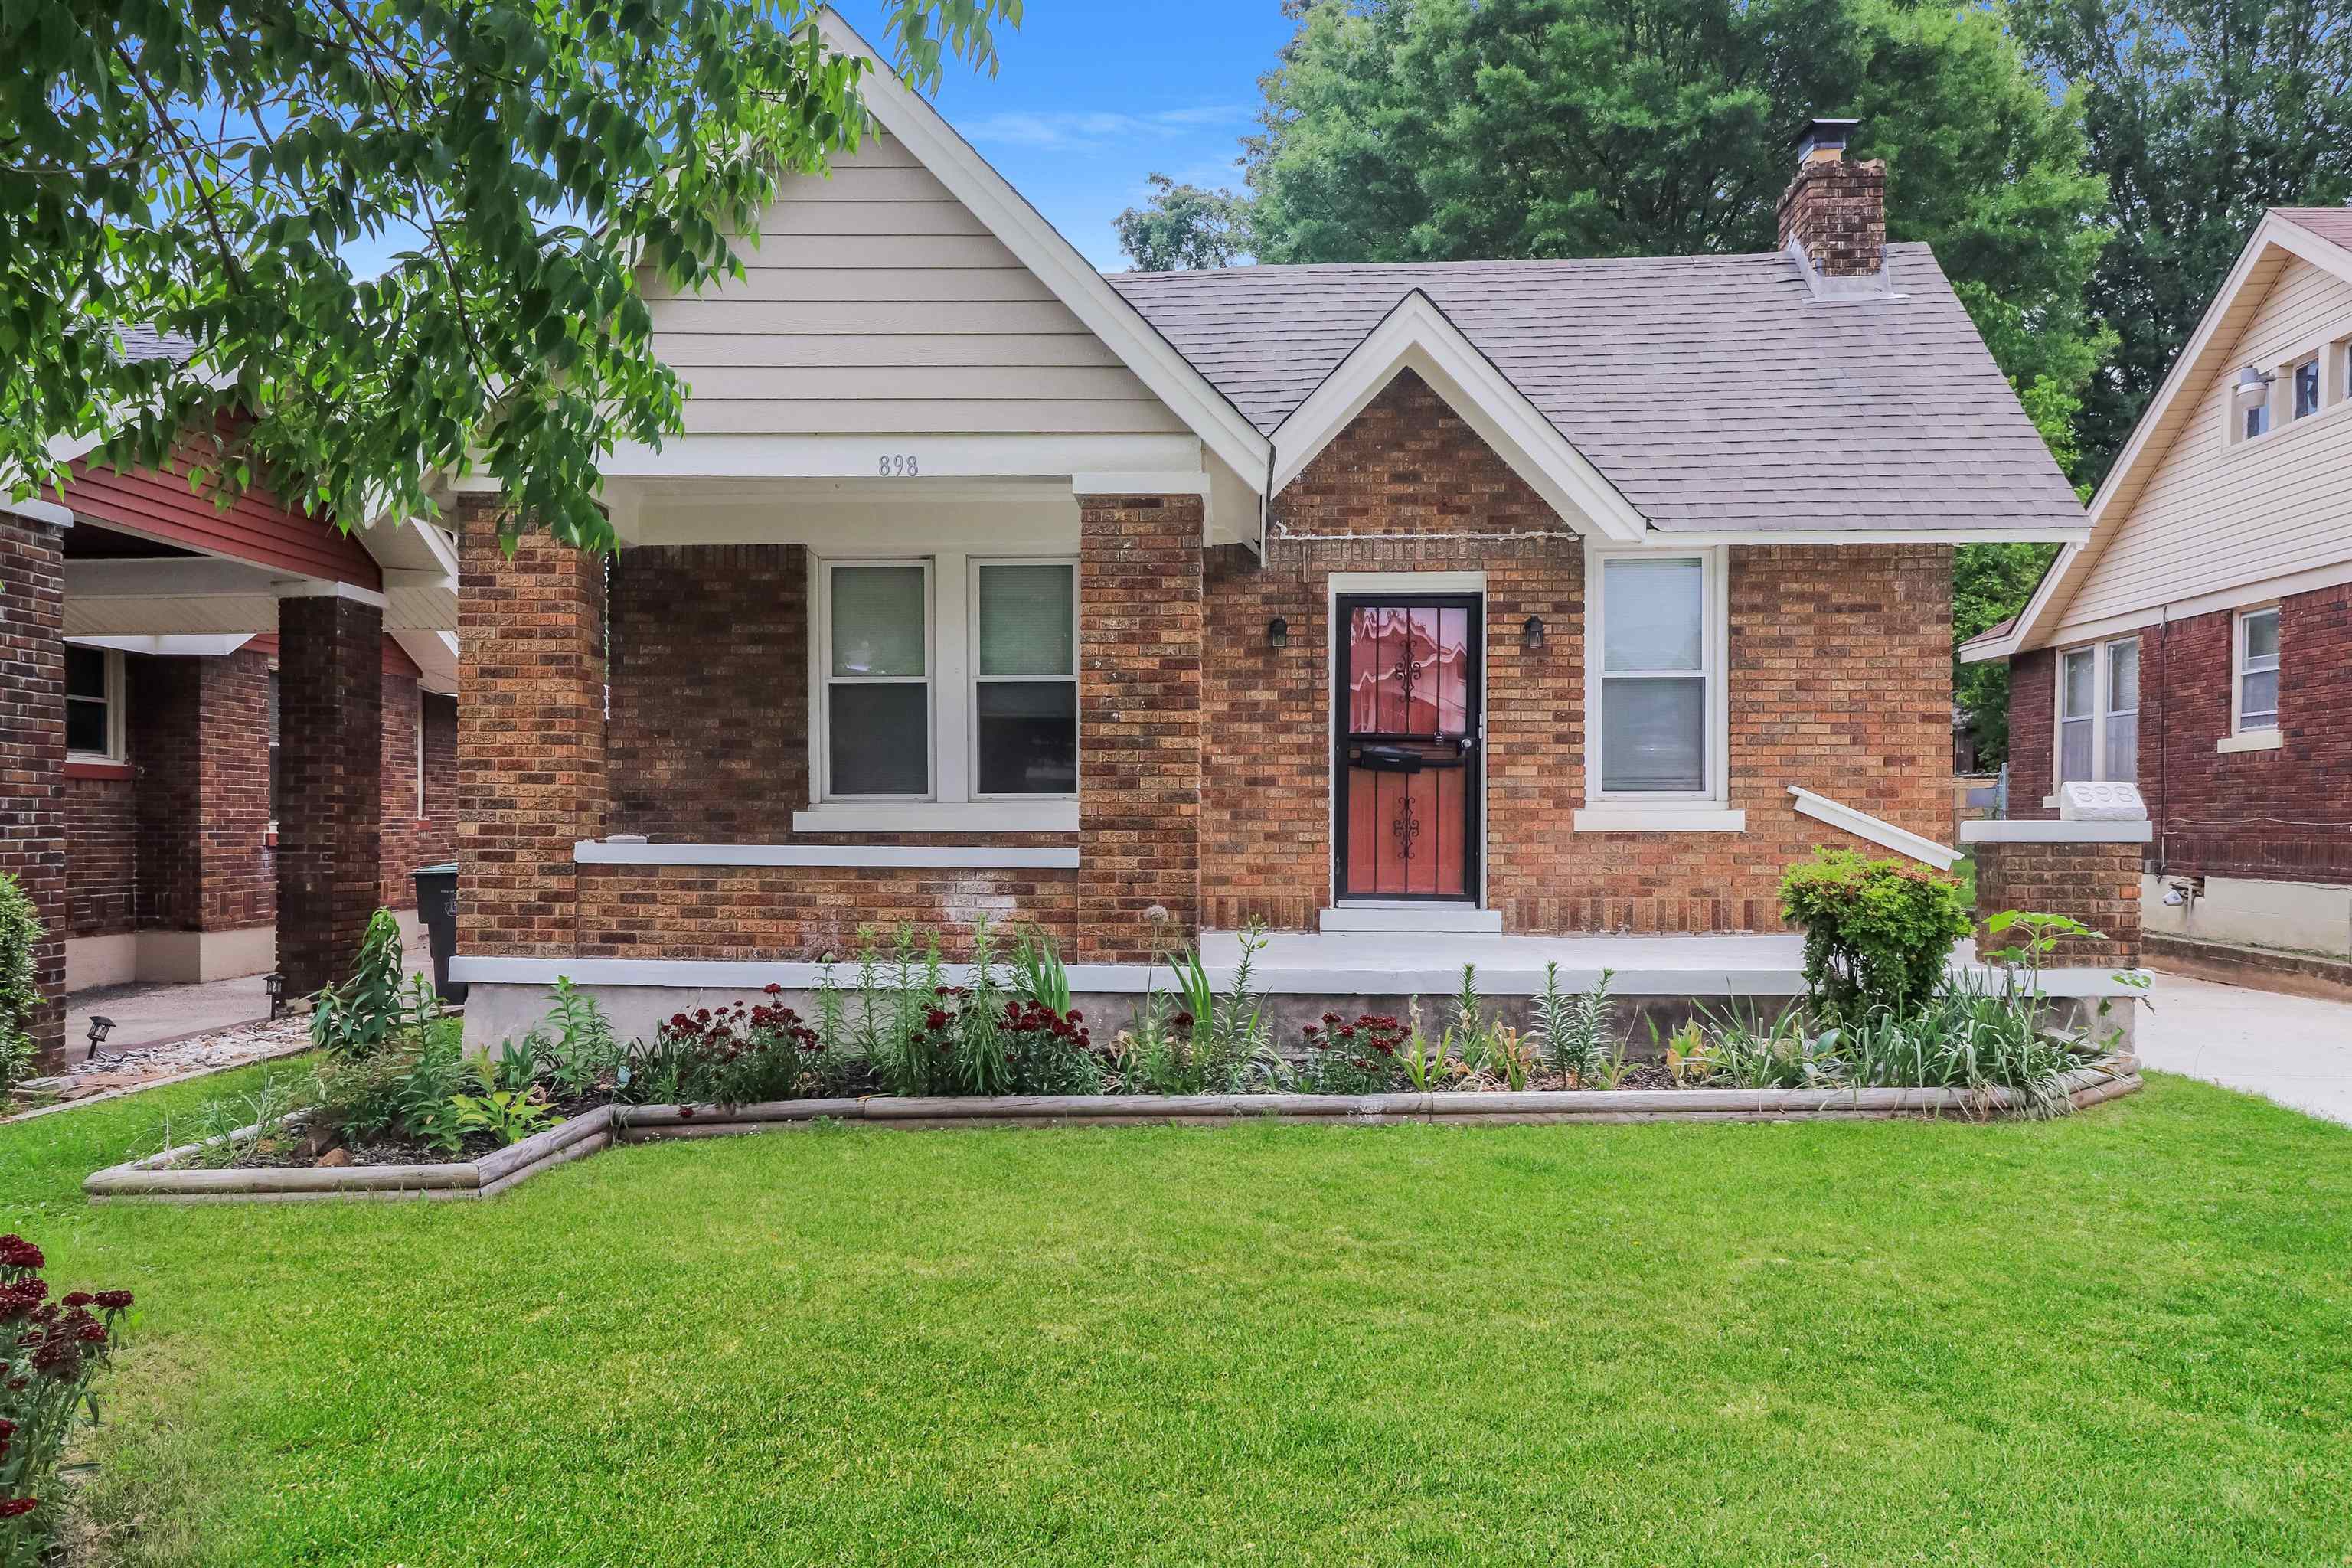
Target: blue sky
(1092, 95)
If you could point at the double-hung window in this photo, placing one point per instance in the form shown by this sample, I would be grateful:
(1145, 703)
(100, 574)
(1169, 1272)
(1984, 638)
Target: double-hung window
(1658, 681)
(877, 684)
(950, 679)
(1025, 671)
(2255, 681)
(94, 704)
(2099, 712)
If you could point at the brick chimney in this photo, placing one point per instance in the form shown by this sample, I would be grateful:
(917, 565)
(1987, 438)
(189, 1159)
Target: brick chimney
(1836, 209)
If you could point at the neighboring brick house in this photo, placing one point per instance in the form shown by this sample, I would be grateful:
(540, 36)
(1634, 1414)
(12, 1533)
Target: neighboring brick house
(171, 803)
(1471, 601)
(161, 658)
(2199, 643)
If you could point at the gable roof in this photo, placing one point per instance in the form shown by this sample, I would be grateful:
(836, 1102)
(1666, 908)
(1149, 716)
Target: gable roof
(2321, 235)
(1205, 410)
(1714, 394)
(1416, 336)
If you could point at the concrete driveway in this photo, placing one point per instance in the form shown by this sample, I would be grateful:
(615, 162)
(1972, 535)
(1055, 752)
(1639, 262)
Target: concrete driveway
(2294, 1049)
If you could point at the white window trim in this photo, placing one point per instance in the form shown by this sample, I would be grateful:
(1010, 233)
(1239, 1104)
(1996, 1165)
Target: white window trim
(2238, 669)
(2293, 371)
(950, 627)
(822, 678)
(2098, 715)
(420, 755)
(2333, 351)
(116, 751)
(1617, 810)
(973, 686)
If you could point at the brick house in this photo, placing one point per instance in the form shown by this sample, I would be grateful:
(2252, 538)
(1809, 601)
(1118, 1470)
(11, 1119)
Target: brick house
(1427, 608)
(226, 733)
(2198, 644)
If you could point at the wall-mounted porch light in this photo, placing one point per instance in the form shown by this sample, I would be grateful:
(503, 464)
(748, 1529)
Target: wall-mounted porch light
(2252, 378)
(1531, 633)
(1277, 632)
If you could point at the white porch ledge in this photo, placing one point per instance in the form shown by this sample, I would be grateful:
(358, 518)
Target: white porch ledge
(950, 857)
(1313, 964)
(2042, 832)
(1659, 819)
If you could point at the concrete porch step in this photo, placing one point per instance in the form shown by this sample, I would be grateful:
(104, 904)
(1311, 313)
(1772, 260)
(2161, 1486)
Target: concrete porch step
(1455, 920)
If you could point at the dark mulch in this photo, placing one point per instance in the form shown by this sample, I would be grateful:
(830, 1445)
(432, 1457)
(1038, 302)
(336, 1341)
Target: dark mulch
(298, 1149)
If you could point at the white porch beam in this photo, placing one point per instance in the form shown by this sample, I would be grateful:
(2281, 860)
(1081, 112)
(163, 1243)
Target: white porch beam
(931, 457)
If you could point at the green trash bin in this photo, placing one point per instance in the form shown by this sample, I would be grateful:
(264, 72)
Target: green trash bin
(437, 906)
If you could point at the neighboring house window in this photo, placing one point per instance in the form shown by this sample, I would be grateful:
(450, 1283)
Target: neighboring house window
(94, 704)
(2256, 678)
(2098, 714)
(1659, 680)
(2078, 690)
(1024, 665)
(877, 687)
(2307, 387)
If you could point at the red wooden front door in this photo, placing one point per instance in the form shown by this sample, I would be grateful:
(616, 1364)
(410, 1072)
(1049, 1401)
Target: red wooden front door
(1407, 770)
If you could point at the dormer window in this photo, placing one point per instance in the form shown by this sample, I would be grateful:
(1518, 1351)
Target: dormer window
(2307, 387)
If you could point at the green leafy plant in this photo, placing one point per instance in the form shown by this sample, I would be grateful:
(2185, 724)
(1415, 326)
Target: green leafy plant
(358, 1017)
(1878, 933)
(230, 1129)
(1570, 1029)
(1429, 1065)
(1197, 1041)
(401, 1092)
(573, 1051)
(51, 1354)
(506, 1111)
(20, 992)
(1508, 1057)
(1039, 973)
(1361, 1056)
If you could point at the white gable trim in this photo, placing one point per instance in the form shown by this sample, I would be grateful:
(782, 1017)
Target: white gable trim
(1056, 261)
(1417, 336)
(2190, 369)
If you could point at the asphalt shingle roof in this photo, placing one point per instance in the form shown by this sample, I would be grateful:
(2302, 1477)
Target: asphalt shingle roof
(143, 343)
(1717, 392)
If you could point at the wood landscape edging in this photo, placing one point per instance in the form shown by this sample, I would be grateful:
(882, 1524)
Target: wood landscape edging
(152, 1179)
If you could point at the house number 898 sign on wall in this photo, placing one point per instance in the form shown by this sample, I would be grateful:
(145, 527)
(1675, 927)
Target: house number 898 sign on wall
(898, 465)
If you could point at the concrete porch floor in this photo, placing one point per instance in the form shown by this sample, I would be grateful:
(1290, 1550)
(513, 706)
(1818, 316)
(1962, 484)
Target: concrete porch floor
(1430, 964)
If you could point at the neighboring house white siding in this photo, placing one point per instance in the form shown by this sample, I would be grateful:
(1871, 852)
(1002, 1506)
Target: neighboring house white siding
(2218, 514)
(877, 302)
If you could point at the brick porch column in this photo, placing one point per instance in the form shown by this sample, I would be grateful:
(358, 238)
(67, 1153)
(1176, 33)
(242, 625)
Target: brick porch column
(2089, 870)
(530, 735)
(1140, 628)
(33, 747)
(330, 786)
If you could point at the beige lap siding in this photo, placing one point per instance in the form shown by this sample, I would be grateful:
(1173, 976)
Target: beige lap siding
(1839, 682)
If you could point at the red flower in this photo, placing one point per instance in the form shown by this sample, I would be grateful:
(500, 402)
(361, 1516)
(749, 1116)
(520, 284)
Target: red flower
(1182, 1020)
(773, 989)
(79, 1298)
(113, 1300)
(15, 1252)
(12, 1508)
(1074, 1016)
(685, 1113)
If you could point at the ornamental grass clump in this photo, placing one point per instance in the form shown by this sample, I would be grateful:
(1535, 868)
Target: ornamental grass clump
(50, 1354)
(1877, 933)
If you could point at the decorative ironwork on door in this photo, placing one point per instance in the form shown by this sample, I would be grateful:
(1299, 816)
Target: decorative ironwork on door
(1408, 764)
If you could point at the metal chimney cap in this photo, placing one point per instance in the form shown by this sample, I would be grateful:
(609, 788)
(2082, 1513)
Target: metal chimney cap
(1823, 137)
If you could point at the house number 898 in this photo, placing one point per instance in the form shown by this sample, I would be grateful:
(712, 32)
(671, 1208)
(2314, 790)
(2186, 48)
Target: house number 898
(898, 465)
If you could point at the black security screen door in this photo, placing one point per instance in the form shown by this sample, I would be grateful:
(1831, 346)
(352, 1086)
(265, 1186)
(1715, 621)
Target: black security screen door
(1407, 770)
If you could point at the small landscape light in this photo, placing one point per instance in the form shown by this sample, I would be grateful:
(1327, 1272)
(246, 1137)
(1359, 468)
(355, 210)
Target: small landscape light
(1531, 633)
(100, 1028)
(1277, 632)
(277, 984)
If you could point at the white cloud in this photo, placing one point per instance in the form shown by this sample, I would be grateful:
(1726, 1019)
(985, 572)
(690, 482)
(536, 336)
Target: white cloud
(1071, 130)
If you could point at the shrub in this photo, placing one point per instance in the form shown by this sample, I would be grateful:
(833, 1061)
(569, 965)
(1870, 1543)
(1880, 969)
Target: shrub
(50, 1354)
(20, 991)
(739, 1055)
(1197, 1041)
(1877, 933)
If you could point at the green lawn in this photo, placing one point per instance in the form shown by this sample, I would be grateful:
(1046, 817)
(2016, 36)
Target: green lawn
(2118, 1339)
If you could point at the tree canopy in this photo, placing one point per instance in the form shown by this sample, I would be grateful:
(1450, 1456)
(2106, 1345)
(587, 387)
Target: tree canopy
(206, 167)
(1185, 226)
